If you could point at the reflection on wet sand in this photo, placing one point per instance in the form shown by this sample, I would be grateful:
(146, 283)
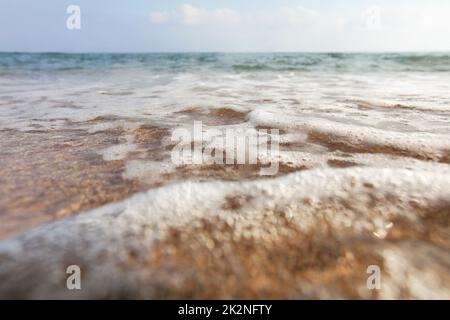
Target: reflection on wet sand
(47, 175)
(87, 178)
(250, 240)
(61, 172)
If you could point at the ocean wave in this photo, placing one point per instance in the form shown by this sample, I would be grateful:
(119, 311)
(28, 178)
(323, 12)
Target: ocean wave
(239, 62)
(117, 243)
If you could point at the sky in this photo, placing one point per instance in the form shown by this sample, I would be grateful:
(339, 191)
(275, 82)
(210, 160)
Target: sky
(228, 26)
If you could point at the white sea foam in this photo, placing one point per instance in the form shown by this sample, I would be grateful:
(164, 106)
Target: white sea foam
(420, 142)
(101, 239)
(406, 111)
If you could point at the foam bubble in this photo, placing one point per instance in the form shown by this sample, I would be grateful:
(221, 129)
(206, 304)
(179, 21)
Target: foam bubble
(101, 240)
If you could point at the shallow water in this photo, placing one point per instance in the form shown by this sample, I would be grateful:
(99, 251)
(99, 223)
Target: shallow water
(364, 175)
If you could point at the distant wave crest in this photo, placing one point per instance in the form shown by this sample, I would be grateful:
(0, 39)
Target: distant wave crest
(228, 62)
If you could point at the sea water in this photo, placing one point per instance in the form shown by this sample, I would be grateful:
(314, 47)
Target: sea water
(365, 138)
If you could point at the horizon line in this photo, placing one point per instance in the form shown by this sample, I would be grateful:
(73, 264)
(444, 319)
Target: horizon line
(227, 52)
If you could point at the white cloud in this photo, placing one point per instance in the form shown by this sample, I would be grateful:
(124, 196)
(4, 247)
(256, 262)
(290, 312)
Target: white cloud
(391, 27)
(158, 17)
(190, 15)
(300, 15)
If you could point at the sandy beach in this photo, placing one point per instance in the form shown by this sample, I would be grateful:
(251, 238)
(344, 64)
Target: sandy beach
(88, 177)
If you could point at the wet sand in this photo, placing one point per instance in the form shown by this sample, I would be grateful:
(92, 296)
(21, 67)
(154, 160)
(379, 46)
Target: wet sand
(240, 244)
(49, 175)
(87, 177)
(235, 249)
(60, 172)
